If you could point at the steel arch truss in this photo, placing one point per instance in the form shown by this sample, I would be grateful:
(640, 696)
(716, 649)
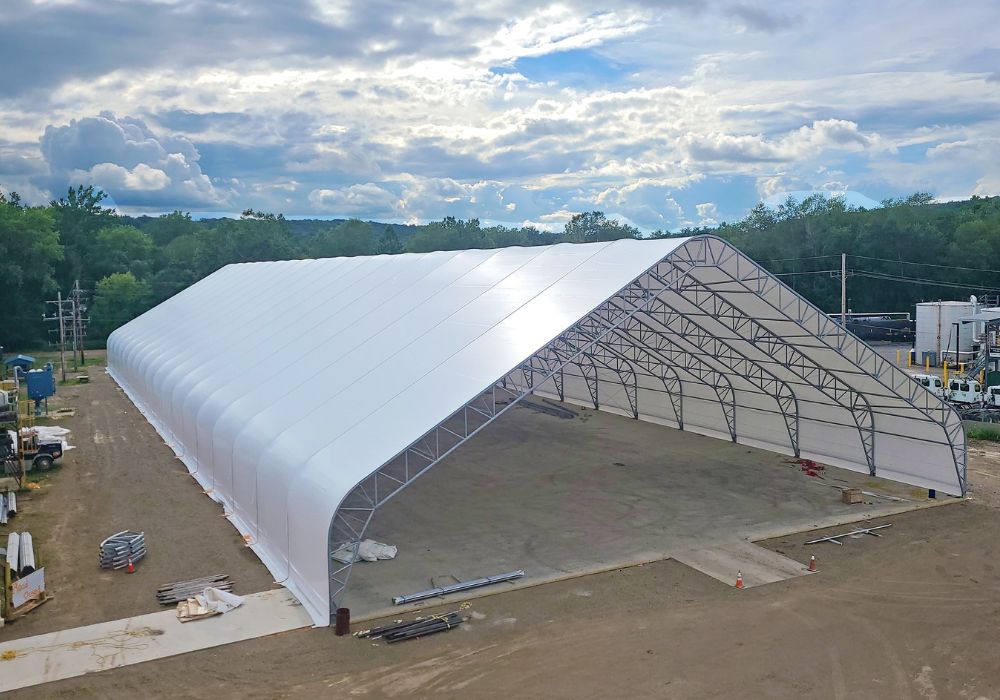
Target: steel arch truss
(786, 355)
(749, 277)
(647, 328)
(355, 512)
(670, 346)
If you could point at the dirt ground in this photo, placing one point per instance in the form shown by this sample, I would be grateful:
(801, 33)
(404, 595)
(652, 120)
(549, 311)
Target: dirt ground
(913, 614)
(119, 476)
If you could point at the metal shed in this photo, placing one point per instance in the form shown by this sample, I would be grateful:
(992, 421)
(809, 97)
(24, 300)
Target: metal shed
(22, 361)
(401, 359)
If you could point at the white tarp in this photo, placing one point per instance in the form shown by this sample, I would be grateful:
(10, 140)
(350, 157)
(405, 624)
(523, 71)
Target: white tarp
(283, 385)
(52, 433)
(366, 550)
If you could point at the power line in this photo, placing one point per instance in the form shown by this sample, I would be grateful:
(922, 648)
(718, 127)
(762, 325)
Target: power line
(891, 278)
(808, 272)
(907, 262)
(811, 257)
(885, 260)
(923, 281)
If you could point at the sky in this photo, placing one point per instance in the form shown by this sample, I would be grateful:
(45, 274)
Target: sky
(662, 113)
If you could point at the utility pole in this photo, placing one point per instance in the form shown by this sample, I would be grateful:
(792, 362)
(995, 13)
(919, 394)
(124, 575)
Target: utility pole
(72, 318)
(843, 290)
(61, 316)
(62, 337)
(79, 332)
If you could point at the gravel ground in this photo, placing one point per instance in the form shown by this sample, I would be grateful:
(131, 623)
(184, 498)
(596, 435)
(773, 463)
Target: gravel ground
(913, 614)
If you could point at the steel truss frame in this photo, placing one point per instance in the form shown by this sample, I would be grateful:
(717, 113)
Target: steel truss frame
(355, 512)
(622, 336)
(813, 323)
(720, 352)
(788, 356)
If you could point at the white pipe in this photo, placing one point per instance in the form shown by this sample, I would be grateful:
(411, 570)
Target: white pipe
(11, 503)
(27, 560)
(13, 549)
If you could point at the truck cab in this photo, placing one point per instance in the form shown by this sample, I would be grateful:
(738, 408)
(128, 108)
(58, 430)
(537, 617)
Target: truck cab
(992, 397)
(41, 455)
(932, 383)
(967, 391)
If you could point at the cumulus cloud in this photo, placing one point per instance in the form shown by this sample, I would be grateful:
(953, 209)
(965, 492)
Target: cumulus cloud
(114, 178)
(367, 199)
(804, 142)
(125, 158)
(708, 214)
(416, 111)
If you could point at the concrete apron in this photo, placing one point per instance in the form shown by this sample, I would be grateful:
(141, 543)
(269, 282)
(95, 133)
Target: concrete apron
(57, 655)
(720, 559)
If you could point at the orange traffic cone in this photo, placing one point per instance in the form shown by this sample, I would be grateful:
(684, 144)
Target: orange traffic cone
(739, 579)
(131, 566)
(812, 563)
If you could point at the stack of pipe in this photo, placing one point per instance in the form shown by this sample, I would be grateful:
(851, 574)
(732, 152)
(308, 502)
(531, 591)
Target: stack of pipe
(20, 554)
(121, 548)
(172, 593)
(420, 627)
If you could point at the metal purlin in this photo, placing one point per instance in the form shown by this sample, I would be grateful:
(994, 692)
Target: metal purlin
(589, 372)
(655, 369)
(355, 511)
(642, 357)
(671, 350)
(622, 369)
(816, 324)
(753, 333)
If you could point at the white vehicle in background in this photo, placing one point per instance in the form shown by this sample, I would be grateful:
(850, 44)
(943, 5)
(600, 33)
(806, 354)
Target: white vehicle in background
(965, 391)
(992, 396)
(932, 382)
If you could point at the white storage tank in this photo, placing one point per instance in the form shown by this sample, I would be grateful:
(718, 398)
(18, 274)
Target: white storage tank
(936, 331)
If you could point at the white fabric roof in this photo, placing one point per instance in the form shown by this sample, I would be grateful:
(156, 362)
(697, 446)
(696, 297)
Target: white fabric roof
(284, 385)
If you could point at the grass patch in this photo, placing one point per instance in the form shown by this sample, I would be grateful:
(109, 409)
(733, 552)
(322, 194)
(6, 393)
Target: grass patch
(980, 433)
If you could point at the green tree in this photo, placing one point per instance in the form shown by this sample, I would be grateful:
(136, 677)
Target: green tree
(389, 243)
(78, 217)
(350, 238)
(120, 249)
(29, 255)
(118, 298)
(594, 226)
(448, 234)
(247, 240)
(166, 228)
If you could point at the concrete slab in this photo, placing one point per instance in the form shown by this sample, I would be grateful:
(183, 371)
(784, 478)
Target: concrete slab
(567, 497)
(758, 565)
(74, 652)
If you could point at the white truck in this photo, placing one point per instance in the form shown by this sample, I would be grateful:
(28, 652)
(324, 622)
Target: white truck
(992, 396)
(962, 390)
(932, 382)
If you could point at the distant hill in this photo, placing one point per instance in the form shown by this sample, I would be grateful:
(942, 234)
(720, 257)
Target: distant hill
(299, 228)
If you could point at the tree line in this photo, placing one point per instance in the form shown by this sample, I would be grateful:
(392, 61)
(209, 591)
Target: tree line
(131, 264)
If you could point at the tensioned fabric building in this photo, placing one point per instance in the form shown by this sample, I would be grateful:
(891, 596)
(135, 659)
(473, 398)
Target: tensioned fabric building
(304, 394)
